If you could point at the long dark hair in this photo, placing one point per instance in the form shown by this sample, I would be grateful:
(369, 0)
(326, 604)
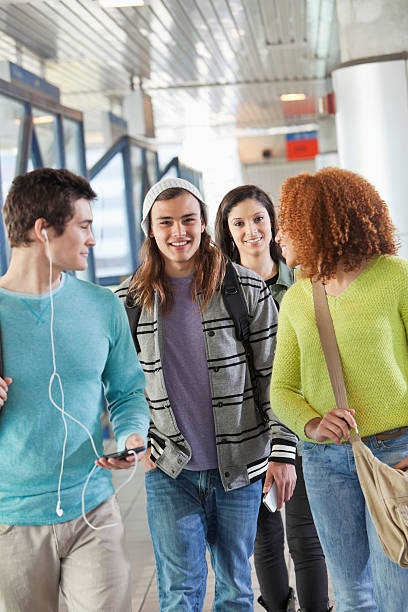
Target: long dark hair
(150, 276)
(232, 198)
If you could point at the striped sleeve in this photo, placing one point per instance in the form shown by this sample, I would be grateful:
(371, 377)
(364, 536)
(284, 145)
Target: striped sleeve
(263, 329)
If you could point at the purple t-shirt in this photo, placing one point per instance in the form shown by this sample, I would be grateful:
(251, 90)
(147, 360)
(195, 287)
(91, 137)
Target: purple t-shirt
(186, 376)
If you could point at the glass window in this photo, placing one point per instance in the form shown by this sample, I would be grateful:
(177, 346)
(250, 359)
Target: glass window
(45, 126)
(151, 168)
(12, 115)
(171, 173)
(73, 145)
(136, 160)
(112, 250)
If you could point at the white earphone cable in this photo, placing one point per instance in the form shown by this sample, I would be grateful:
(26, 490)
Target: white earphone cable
(64, 414)
(54, 375)
(117, 491)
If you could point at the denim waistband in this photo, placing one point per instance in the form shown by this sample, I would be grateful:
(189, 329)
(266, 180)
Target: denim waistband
(387, 435)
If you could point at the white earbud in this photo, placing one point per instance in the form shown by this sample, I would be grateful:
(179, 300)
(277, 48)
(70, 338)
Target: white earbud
(44, 233)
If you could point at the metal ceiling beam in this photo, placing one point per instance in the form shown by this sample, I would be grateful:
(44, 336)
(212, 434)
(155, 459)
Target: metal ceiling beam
(190, 85)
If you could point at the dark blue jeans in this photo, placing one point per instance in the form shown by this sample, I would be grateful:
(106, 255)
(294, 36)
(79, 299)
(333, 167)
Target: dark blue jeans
(189, 513)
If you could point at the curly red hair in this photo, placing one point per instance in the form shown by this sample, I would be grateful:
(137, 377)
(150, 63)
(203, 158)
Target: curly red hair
(331, 215)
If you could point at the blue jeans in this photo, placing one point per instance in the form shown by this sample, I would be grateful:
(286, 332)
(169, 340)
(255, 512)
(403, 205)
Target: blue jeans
(364, 579)
(185, 515)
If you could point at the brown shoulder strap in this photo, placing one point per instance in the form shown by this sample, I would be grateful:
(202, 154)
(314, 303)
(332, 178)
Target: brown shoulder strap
(329, 344)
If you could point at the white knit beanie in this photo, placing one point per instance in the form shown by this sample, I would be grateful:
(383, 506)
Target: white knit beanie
(158, 188)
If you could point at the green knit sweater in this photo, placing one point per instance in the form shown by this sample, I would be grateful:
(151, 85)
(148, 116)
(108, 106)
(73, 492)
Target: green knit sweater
(371, 322)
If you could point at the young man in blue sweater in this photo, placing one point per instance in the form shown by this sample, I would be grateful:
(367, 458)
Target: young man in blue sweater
(57, 356)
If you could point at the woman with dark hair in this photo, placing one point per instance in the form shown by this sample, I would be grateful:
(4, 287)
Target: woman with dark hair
(337, 227)
(245, 229)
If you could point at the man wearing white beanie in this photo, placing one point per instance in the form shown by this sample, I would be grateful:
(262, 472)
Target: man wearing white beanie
(209, 445)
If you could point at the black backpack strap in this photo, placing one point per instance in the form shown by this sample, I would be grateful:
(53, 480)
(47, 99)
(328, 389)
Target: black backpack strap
(235, 302)
(238, 311)
(133, 312)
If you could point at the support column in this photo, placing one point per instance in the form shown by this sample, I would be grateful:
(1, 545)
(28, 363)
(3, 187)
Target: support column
(371, 91)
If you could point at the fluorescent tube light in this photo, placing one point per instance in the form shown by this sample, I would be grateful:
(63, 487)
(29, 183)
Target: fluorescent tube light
(38, 120)
(120, 3)
(43, 119)
(292, 97)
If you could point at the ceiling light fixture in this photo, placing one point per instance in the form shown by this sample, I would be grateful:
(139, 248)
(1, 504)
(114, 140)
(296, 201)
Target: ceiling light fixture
(120, 3)
(292, 97)
(43, 119)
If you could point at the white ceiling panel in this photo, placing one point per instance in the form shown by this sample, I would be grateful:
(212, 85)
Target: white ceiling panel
(210, 62)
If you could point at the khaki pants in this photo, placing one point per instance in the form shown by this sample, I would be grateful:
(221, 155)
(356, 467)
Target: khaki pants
(90, 567)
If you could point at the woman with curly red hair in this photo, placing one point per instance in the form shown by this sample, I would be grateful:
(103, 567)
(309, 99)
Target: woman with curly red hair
(337, 227)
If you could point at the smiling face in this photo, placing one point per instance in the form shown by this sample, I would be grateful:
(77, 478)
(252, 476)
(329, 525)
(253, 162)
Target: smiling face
(176, 225)
(288, 248)
(69, 250)
(250, 227)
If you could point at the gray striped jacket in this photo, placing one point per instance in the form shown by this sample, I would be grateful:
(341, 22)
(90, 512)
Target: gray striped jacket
(242, 439)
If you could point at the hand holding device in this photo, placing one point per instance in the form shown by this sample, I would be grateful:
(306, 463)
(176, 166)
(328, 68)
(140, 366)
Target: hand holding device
(128, 452)
(271, 498)
(121, 460)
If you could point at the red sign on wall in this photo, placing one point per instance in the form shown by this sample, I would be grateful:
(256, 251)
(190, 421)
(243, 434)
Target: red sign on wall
(302, 145)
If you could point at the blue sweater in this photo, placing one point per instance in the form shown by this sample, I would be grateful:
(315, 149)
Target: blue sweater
(93, 346)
